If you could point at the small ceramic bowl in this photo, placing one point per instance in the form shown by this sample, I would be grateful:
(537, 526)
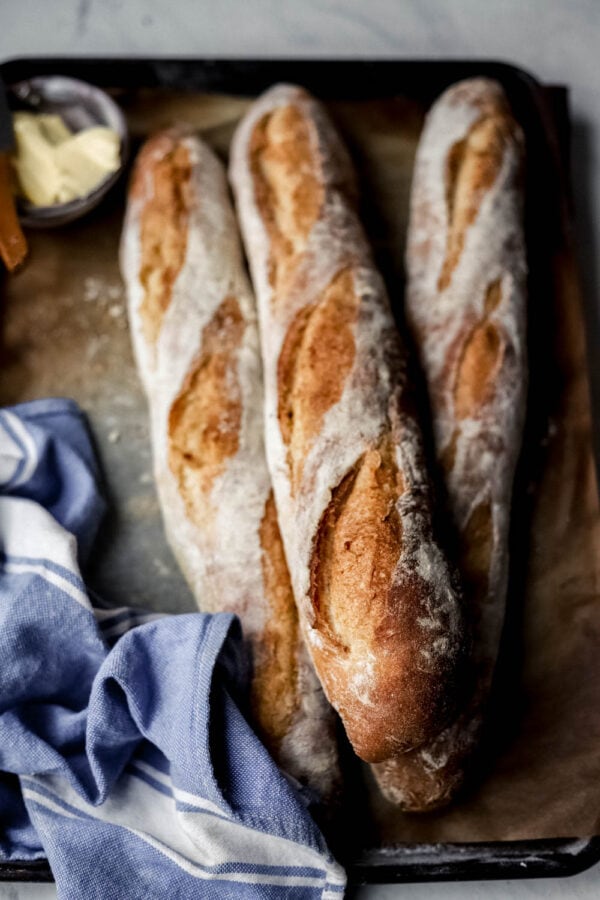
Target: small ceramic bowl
(81, 105)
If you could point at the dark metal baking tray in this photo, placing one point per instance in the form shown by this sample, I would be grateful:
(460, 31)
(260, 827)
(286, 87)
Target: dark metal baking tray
(357, 80)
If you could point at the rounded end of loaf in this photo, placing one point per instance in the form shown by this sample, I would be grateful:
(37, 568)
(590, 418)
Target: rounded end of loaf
(413, 788)
(162, 158)
(462, 105)
(430, 777)
(401, 714)
(284, 143)
(388, 702)
(483, 94)
(388, 637)
(471, 145)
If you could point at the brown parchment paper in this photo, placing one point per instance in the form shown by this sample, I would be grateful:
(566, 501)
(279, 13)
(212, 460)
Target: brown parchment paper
(64, 332)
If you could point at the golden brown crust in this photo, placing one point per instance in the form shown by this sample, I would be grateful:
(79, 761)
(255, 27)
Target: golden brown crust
(289, 187)
(315, 360)
(358, 603)
(480, 362)
(374, 592)
(362, 605)
(447, 456)
(476, 549)
(472, 167)
(466, 306)
(356, 550)
(205, 417)
(163, 225)
(421, 784)
(200, 365)
(480, 359)
(275, 697)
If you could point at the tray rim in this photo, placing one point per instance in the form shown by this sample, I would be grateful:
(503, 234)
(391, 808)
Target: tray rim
(475, 66)
(536, 858)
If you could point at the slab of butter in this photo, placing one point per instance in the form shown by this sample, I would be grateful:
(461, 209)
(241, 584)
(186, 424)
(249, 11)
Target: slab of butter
(53, 165)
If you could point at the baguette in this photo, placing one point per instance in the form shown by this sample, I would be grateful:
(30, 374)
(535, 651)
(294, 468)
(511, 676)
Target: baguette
(377, 605)
(466, 299)
(194, 331)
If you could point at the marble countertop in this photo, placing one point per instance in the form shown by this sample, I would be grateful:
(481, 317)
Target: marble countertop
(556, 41)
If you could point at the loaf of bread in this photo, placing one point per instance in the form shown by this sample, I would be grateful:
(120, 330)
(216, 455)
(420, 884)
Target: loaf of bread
(379, 611)
(466, 299)
(194, 331)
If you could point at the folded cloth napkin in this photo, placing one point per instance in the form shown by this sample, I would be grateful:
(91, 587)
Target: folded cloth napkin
(138, 775)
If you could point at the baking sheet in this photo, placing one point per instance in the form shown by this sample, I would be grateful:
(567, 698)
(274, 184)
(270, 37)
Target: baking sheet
(65, 332)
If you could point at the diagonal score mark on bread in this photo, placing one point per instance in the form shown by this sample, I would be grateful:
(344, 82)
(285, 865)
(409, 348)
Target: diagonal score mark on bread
(288, 185)
(275, 657)
(480, 359)
(379, 608)
(205, 417)
(355, 551)
(476, 549)
(163, 226)
(472, 166)
(316, 359)
(466, 303)
(195, 336)
(204, 430)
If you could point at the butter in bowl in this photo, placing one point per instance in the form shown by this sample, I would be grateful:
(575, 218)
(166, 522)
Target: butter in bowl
(71, 146)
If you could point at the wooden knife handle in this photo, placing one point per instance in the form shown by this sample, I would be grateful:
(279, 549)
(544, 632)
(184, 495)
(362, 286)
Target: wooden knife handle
(13, 246)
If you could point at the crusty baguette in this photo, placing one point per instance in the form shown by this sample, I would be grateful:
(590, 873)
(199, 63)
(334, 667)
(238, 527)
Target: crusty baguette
(194, 330)
(466, 298)
(380, 614)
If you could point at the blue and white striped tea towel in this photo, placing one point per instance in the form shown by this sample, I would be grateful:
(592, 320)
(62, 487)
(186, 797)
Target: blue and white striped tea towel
(138, 776)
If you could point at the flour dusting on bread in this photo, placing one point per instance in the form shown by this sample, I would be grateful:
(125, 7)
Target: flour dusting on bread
(466, 301)
(343, 445)
(195, 335)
